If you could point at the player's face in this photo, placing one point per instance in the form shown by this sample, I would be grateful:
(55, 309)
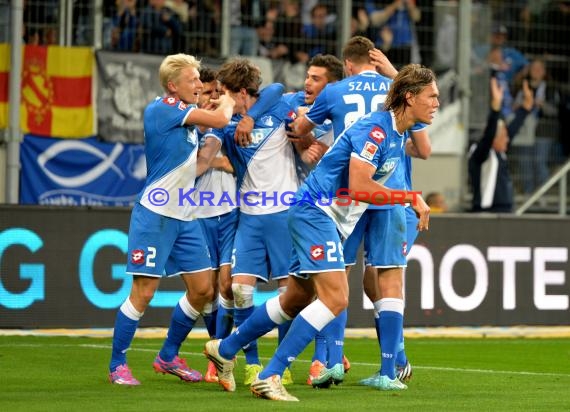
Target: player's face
(315, 82)
(210, 90)
(239, 98)
(187, 86)
(425, 104)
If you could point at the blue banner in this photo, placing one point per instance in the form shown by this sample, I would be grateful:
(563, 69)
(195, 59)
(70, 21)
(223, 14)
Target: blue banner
(82, 172)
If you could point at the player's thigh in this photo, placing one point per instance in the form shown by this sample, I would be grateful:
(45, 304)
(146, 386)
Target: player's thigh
(249, 252)
(385, 239)
(351, 244)
(210, 231)
(226, 235)
(190, 253)
(315, 239)
(278, 243)
(150, 242)
(411, 227)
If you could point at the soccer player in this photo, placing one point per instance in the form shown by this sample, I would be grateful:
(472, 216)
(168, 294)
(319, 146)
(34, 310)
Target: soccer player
(418, 146)
(322, 70)
(360, 158)
(164, 238)
(219, 219)
(363, 91)
(265, 170)
(219, 223)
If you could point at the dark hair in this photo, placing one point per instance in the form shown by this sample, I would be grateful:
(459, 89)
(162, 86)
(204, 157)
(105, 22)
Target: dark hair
(356, 50)
(240, 73)
(207, 75)
(332, 64)
(412, 78)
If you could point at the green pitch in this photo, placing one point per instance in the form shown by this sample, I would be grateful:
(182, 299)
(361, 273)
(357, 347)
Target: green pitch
(70, 374)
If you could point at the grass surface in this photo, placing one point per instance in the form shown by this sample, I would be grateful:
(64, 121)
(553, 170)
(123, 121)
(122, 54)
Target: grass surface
(70, 374)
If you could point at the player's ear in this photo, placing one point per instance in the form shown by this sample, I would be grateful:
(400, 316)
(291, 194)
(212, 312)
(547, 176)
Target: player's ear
(410, 97)
(171, 86)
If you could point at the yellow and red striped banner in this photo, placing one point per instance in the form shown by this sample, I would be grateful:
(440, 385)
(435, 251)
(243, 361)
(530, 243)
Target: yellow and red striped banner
(57, 92)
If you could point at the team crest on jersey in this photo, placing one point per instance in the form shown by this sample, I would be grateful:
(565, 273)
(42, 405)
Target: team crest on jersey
(369, 151)
(192, 137)
(317, 252)
(182, 106)
(377, 134)
(267, 121)
(137, 257)
(171, 101)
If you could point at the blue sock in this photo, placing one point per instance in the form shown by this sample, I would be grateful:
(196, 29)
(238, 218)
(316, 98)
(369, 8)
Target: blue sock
(401, 358)
(224, 322)
(334, 335)
(258, 324)
(250, 348)
(300, 335)
(377, 326)
(282, 331)
(123, 335)
(391, 324)
(320, 348)
(210, 320)
(180, 326)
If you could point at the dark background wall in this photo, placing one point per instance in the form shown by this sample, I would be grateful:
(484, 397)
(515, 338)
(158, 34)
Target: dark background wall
(64, 267)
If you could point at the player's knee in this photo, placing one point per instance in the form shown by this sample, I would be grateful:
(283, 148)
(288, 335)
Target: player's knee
(225, 285)
(144, 297)
(201, 292)
(243, 295)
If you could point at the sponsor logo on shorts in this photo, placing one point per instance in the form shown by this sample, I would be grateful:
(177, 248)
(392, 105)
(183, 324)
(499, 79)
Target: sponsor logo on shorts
(318, 252)
(137, 257)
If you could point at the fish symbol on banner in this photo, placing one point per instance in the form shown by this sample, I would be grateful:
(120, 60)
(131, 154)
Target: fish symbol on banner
(90, 175)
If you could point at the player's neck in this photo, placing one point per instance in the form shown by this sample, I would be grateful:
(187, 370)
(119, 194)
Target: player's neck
(403, 122)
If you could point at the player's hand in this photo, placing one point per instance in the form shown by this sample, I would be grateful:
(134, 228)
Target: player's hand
(313, 153)
(301, 110)
(301, 141)
(224, 99)
(422, 211)
(382, 64)
(242, 134)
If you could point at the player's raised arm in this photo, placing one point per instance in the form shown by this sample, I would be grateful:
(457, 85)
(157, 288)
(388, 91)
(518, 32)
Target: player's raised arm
(213, 118)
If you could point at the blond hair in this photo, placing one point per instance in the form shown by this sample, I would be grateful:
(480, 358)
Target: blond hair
(172, 65)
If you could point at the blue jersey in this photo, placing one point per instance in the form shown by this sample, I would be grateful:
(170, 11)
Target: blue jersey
(265, 169)
(347, 100)
(372, 139)
(323, 133)
(171, 149)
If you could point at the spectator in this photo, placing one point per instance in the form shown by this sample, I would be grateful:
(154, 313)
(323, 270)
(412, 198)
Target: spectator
(534, 144)
(244, 17)
(161, 29)
(125, 26)
(204, 26)
(267, 45)
(359, 23)
(320, 35)
(436, 202)
(513, 60)
(289, 32)
(488, 168)
(396, 35)
(446, 39)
